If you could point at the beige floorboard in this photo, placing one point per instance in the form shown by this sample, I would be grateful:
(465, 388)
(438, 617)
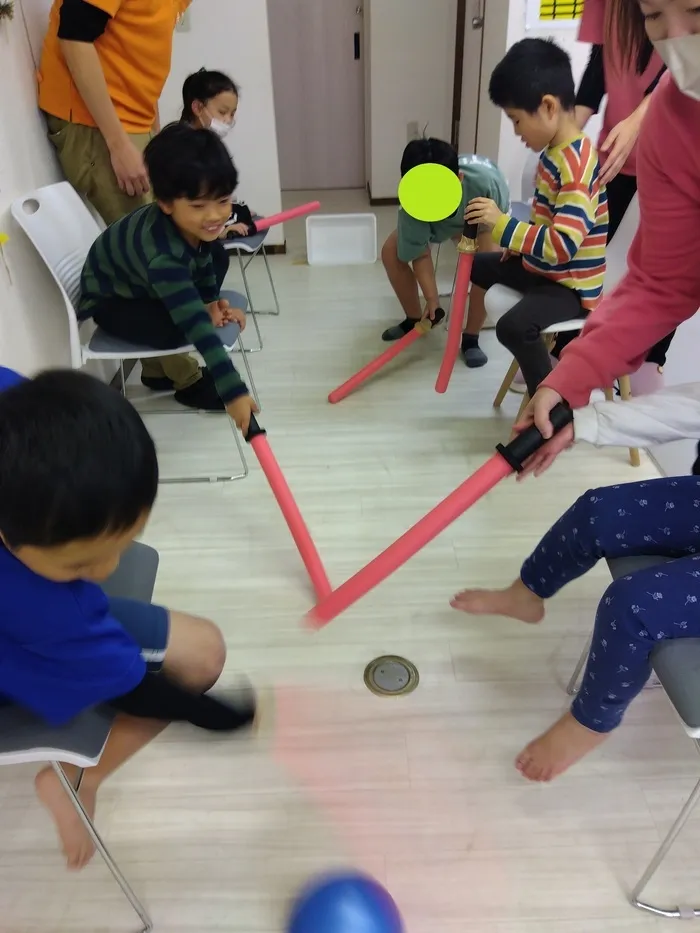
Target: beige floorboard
(421, 792)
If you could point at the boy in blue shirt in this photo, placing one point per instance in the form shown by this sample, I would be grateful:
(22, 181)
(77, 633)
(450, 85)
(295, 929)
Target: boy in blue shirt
(79, 476)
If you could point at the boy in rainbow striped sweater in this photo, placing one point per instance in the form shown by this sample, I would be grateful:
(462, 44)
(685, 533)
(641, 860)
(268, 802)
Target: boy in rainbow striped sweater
(557, 260)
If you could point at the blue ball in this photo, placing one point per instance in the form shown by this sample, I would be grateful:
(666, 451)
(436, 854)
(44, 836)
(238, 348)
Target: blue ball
(345, 903)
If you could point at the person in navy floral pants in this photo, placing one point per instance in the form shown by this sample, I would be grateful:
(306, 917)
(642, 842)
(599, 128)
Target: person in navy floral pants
(637, 611)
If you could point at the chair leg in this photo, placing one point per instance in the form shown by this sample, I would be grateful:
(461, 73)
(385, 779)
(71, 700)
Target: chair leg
(609, 395)
(272, 281)
(523, 406)
(126, 888)
(253, 315)
(506, 384)
(572, 686)
(679, 912)
(249, 373)
(626, 394)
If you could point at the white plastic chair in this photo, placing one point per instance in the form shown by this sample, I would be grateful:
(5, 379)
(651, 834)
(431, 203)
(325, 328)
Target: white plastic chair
(62, 230)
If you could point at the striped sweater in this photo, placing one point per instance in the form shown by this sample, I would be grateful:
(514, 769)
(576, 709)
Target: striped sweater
(143, 255)
(565, 238)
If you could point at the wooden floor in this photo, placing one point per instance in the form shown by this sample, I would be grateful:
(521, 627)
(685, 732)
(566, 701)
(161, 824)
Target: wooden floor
(421, 791)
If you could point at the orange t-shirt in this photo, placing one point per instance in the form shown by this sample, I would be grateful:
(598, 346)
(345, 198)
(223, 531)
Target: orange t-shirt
(134, 51)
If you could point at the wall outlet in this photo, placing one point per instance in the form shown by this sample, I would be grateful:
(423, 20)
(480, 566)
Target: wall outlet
(413, 130)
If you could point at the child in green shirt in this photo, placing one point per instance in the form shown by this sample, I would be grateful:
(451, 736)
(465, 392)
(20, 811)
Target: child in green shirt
(406, 253)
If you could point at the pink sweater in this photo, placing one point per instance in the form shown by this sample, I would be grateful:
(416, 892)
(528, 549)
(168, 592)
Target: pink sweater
(625, 88)
(662, 285)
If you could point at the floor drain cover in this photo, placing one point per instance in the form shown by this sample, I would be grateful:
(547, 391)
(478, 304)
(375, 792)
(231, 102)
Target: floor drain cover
(391, 676)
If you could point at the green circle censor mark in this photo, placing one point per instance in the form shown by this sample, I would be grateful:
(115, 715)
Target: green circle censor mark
(430, 192)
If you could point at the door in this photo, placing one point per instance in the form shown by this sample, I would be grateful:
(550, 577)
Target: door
(467, 91)
(317, 73)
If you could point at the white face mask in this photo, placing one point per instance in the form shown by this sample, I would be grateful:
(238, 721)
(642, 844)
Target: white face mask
(681, 55)
(220, 128)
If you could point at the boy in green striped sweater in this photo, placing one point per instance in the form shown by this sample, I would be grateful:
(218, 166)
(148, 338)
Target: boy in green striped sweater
(151, 278)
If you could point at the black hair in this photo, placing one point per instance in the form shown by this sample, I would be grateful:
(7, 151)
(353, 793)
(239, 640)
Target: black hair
(531, 69)
(624, 26)
(204, 85)
(184, 162)
(426, 150)
(76, 461)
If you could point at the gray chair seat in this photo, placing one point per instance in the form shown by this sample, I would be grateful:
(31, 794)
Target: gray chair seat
(26, 738)
(101, 342)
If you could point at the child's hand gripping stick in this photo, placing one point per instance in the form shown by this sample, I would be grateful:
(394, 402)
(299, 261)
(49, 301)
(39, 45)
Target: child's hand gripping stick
(508, 458)
(257, 438)
(458, 306)
(421, 328)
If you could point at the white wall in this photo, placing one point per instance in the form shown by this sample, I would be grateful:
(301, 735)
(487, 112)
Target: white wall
(33, 327)
(411, 63)
(232, 36)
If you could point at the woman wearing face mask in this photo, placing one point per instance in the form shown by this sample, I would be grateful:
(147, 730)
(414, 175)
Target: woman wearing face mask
(626, 77)
(210, 102)
(661, 289)
(662, 286)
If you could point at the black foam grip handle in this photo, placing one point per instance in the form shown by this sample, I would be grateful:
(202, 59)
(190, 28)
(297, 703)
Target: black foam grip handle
(254, 430)
(530, 441)
(470, 230)
(439, 315)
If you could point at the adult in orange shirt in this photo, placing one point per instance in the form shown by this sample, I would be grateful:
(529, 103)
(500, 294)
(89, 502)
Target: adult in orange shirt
(103, 68)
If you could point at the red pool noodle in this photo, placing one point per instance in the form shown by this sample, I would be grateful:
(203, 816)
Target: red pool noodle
(302, 210)
(458, 309)
(430, 526)
(507, 460)
(290, 510)
(354, 382)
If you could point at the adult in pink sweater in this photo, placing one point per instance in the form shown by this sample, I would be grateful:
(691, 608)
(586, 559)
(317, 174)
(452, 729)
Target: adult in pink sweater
(662, 285)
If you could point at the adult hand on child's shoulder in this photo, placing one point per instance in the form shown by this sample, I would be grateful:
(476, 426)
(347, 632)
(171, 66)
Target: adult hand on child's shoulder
(241, 410)
(537, 413)
(483, 211)
(617, 146)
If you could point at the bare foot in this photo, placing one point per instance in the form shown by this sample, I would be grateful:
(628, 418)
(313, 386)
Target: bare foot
(557, 749)
(77, 845)
(515, 602)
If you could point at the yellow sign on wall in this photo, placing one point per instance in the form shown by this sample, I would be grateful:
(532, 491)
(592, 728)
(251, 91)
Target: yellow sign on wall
(557, 13)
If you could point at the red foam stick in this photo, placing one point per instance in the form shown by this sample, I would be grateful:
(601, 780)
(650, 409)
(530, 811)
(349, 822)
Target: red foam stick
(257, 439)
(458, 307)
(495, 469)
(421, 328)
(301, 211)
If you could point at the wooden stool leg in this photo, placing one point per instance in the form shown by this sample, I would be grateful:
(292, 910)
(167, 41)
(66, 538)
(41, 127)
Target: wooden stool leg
(523, 406)
(506, 384)
(609, 395)
(626, 393)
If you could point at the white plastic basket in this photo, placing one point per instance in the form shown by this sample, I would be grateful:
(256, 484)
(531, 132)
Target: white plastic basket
(341, 239)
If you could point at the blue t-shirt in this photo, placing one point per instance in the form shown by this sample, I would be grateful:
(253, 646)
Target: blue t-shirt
(60, 649)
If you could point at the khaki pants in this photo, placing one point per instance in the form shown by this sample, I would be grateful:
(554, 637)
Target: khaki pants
(87, 165)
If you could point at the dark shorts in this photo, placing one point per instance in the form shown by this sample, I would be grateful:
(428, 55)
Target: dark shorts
(148, 625)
